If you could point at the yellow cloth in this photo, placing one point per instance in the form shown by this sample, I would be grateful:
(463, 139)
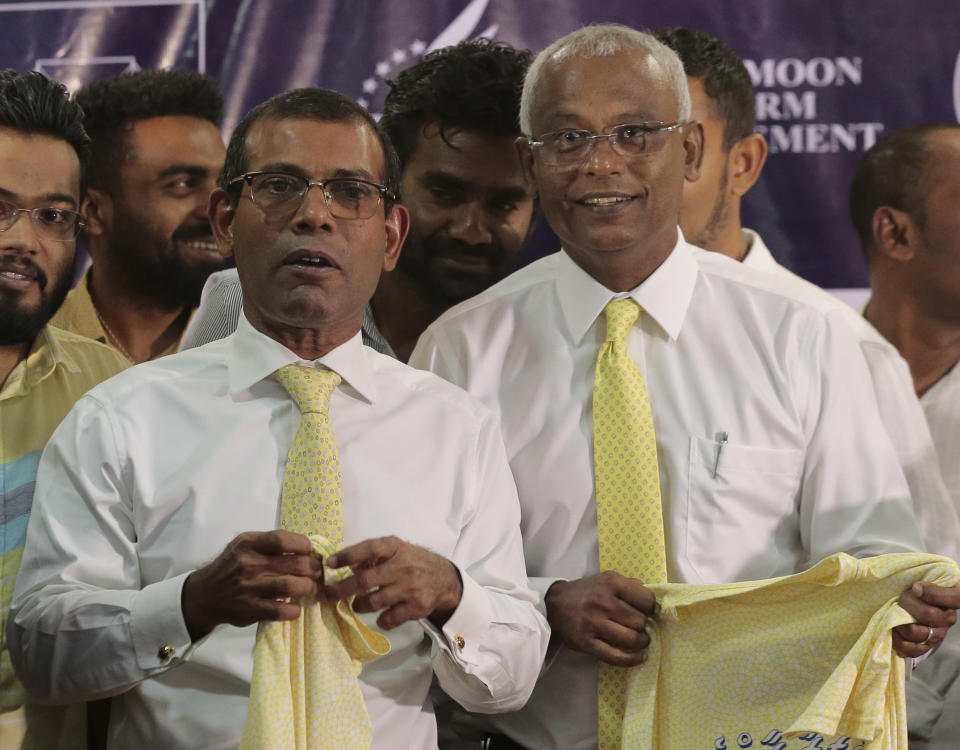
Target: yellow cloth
(304, 693)
(801, 661)
(629, 512)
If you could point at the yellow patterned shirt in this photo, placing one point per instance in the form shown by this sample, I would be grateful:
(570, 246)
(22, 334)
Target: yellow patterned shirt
(802, 662)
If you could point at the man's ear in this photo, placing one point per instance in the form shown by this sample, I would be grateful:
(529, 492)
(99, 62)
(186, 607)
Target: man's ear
(693, 150)
(746, 161)
(97, 211)
(525, 152)
(221, 212)
(397, 225)
(894, 233)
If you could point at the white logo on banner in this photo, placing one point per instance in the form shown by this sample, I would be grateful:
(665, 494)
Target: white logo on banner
(792, 110)
(462, 27)
(956, 88)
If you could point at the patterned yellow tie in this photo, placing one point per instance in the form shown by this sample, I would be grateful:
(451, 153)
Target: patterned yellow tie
(305, 694)
(629, 513)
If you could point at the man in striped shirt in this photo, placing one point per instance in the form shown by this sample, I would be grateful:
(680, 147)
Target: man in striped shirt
(43, 370)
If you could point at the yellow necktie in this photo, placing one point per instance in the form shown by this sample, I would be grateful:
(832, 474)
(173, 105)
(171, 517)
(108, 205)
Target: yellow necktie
(305, 693)
(629, 513)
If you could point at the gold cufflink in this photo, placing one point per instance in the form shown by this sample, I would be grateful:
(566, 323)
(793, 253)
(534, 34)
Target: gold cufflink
(460, 642)
(165, 652)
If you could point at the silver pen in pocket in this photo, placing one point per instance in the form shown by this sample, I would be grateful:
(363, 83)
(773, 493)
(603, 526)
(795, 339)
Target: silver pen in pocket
(721, 439)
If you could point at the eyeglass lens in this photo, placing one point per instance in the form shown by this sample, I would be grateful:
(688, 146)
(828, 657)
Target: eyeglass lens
(283, 193)
(568, 147)
(53, 223)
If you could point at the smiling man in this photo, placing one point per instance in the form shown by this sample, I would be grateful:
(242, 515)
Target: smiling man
(200, 457)
(669, 415)
(43, 371)
(453, 120)
(156, 154)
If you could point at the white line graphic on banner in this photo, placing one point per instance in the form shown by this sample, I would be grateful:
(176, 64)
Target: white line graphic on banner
(459, 29)
(956, 88)
(45, 64)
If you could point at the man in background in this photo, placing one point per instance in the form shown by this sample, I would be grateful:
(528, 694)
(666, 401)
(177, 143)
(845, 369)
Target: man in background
(453, 119)
(43, 370)
(903, 202)
(722, 98)
(156, 154)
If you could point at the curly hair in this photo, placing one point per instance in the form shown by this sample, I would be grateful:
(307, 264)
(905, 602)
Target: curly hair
(725, 78)
(112, 105)
(32, 103)
(474, 85)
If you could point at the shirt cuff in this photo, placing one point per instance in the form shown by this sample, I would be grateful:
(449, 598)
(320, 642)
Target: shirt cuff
(462, 634)
(160, 636)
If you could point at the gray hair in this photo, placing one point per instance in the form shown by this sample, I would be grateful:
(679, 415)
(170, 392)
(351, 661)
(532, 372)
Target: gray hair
(599, 41)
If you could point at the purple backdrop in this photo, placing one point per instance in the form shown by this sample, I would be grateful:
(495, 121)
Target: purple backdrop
(830, 76)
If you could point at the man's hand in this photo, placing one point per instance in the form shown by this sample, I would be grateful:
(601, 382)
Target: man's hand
(250, 581)
(603, 615)
(405, 581)
(935, 610)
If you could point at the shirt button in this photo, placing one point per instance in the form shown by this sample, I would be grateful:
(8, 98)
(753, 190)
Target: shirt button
(458, 640)
(165, 652)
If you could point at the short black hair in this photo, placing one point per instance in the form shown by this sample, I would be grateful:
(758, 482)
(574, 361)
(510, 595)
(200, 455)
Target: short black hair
(112, 105)
(725, 78)
(321, 105)
(892, 173)
(32, 103)
(474, 85)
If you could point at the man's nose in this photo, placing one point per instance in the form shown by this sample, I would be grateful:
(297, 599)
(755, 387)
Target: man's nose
(313, 211)
(469, 225)
(603, 158)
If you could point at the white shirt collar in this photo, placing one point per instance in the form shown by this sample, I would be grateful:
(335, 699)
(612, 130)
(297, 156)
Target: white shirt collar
(253, 356)
(664, 295)
(759, 255)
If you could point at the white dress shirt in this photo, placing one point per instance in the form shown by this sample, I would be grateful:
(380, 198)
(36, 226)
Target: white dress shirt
(153, 473)
(941, 405)
(807, 470)
(900, 410)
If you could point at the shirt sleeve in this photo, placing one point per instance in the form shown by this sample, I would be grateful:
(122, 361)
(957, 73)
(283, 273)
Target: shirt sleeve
(81, 626)
(854, 497)
(489, 653)
(220, 304)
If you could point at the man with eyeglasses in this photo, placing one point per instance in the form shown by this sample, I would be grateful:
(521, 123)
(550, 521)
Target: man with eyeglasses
(43, 370)
(453, 119)
(193, 458)
(669, 416)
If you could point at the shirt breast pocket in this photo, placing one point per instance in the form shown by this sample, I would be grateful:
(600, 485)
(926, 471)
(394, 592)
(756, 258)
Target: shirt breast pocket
(741, 514)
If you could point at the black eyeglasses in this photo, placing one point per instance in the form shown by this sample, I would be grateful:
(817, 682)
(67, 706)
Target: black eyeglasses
(571, 148)
(57, 224)
(280, 194)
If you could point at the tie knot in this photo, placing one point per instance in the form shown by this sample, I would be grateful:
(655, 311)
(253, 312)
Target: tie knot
(310, 387)
(621, 315)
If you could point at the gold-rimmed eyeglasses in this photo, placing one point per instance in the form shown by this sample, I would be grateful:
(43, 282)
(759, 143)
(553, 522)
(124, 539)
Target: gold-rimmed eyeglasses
(570, 148)
(281, 193)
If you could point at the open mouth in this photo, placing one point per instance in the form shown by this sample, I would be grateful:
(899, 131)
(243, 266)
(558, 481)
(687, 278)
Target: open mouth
(309, 260)
(605, 200)
(205, 245)
(17, 275)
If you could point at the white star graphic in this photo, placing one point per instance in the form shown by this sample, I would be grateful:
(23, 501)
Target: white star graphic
(383, 67)
(398, 56)
(418, 47)
(370, 85)
(363, 102)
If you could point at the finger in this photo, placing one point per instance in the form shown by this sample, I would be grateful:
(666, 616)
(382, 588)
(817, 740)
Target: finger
(945, 597)
(367, 553)
(397, 615)
(926, 614)
(624, 639)
(638, 596)
(276, 542)
(925, 635)
(908, 648)
(277, 611)
(626, 615)
(304, 566)
(612, 655)
(359, 584)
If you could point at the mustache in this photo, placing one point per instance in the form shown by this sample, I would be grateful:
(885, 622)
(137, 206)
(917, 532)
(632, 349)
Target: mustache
(24, 265)
(444, 245)
(192, 230)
